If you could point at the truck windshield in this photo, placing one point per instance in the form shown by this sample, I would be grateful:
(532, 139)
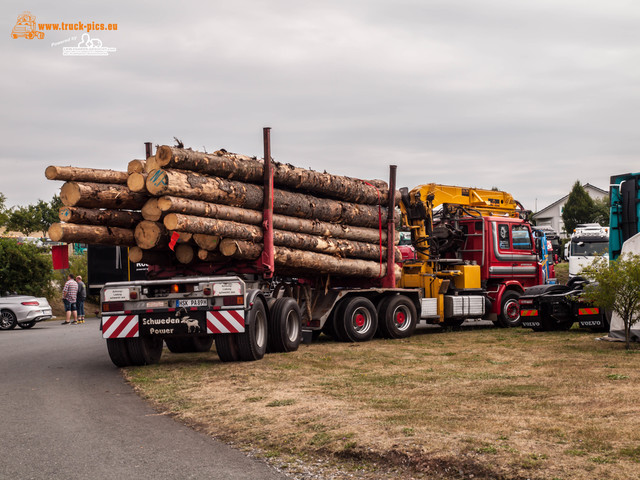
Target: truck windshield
(589, 249)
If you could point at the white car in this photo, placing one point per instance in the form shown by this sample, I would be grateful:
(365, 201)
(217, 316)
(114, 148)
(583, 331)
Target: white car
(23, 310)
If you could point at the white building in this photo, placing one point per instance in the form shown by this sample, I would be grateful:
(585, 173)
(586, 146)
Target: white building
(552, 215)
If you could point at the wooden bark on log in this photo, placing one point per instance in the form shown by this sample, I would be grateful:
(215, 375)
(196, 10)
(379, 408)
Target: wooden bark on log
(100, 195)
(206, 242)
(315, 262)
(91, 234)
(252, 233)
(246, 169)
(136, 166)
(217, 190)
(79, 174)
(150, 210)
(137, 182)
(91, 216)
(170, 204)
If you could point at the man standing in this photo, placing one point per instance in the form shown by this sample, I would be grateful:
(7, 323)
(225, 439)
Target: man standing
(82, 295)
(69, 294)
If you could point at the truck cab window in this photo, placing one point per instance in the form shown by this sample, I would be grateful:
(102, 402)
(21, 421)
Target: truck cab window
(521, 237)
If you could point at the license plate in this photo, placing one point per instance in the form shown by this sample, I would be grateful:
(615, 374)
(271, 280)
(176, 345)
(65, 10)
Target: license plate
(194, 302)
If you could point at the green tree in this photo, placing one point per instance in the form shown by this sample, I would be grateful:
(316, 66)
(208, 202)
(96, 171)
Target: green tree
(24, 269)
(3, 210)
(34, 218)
(616, 288)
(578, 209)
(601, 210)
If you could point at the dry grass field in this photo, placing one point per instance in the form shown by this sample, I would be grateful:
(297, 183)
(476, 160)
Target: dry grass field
(474, 403)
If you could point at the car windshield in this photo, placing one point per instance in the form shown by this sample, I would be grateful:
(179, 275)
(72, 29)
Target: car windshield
(590, 249)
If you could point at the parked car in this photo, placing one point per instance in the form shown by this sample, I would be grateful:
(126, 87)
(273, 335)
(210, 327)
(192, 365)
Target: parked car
(23, 310)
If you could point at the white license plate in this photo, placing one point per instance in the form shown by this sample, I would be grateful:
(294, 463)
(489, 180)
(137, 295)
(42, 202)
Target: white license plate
(195, 302)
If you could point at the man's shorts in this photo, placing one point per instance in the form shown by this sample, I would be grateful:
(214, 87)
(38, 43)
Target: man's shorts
(69, 306)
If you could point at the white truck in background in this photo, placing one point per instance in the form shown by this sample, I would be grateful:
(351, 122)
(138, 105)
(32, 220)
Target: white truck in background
(588, 241)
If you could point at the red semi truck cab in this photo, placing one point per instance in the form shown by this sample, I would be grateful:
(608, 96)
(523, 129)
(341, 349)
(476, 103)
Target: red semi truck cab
(506, 252)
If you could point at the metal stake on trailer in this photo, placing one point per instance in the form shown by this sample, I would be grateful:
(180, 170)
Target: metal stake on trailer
(267, 259)
(389, 280)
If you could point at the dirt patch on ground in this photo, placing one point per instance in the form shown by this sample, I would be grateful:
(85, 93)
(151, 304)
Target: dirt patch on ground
(477, 403)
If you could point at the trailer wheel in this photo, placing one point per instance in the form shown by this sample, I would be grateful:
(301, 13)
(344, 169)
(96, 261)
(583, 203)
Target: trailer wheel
(118, 352)
(252, 344)
(227, 347)
(144, 351)
(189, 344)
(285, 326)
(399, 317)
(329, 327)
(510, 310)
(356, 320)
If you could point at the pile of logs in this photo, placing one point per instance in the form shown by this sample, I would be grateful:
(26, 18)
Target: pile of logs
(187, 206)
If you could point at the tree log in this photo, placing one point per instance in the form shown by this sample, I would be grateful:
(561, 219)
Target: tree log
(206, 242)
(150, 235)
(298, 241)
(137, 182)
(246, 169)
(150, 210)
(184, 253)
(90, 216)
(217, 190)
(151, 257)
(209, 256)
(153, 235)
(314, 262)
(100, 195)
(78, 174)
(136, 166)
(91, 234)
(151, 164)
(170, 204)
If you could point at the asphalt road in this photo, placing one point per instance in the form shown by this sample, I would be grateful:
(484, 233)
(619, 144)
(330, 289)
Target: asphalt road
(67, 413)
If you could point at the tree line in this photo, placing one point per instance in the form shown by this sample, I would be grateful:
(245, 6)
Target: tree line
(36, 217)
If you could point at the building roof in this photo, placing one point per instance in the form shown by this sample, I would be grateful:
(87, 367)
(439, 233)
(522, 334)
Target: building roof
(586, 186)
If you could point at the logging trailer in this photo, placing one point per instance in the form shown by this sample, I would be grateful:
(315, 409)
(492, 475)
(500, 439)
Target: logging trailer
(475, 254)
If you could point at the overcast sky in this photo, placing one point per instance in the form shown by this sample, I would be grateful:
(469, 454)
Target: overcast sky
(526, 96)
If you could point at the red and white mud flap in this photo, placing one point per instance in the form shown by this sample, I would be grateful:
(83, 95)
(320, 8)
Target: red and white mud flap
(120, 326)
(225, 321)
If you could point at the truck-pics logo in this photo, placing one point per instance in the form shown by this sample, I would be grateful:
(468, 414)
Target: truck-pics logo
(26, 27)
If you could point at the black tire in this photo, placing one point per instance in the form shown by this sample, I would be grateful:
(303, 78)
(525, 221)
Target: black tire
(26, 325)
(8, 320)
(285, 326)
(356, 320)
(144, 351)
(252, 344)
(509, 315)
(399, 318)
(118, 352)
(227, 347)
(189, 344)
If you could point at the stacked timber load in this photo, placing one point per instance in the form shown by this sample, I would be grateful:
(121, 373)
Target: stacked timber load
(212, 203)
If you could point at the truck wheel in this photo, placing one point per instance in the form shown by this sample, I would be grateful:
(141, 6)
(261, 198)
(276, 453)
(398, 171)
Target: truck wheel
(356, 320)
(118, 352)
(399, 317)
(510, 310)
(8, 320)
(252, 344)
(285, 326)
(452, 323)
(227, 347)
(329, 327)
(144, 351)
